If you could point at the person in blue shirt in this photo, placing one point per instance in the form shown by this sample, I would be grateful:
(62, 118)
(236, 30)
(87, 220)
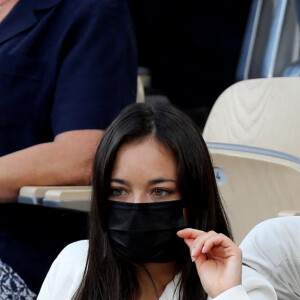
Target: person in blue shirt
(66, 70)
(67, 67)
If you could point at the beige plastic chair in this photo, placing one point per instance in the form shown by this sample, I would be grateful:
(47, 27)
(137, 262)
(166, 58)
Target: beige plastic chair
(255, 184)
(262, 113)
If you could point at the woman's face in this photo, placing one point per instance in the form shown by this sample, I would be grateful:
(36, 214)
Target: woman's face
(144, 171)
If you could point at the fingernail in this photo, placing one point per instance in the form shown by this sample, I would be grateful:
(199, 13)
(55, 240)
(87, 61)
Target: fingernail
(193, 258)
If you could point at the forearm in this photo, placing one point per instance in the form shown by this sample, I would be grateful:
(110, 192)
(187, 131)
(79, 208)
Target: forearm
(65, 161)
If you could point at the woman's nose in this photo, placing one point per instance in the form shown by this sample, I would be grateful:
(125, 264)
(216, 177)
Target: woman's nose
(140, 198)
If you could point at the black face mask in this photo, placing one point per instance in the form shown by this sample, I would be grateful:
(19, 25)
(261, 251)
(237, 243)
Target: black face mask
(146, 232)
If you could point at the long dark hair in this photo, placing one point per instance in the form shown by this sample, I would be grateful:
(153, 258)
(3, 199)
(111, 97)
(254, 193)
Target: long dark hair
(108, 276)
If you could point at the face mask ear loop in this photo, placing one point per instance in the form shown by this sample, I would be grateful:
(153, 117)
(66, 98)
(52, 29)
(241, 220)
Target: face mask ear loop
(152, 281)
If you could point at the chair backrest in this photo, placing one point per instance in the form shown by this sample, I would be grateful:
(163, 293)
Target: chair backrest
(272, 40)
(255, 184)
(260, 113)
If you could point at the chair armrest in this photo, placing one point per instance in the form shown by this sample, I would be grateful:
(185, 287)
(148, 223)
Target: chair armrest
(286, 213)
(35, 194)
(79, 199)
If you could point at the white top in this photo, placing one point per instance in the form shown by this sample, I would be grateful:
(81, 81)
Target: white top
(66, 273)
(273, 249)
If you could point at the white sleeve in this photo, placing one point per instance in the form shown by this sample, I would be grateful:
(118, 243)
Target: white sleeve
(272, 248)
(45, 293)
(254, 287)
(237, 292)
(65, 273)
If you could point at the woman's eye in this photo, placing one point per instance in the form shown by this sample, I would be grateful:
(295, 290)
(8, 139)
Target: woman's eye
(118, 192)
(160, 192)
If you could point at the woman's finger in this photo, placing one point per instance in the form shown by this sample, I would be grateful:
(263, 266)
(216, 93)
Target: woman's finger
(199, 242)
(189, 242)
(195, 239)
(189, 233)
(216, 241)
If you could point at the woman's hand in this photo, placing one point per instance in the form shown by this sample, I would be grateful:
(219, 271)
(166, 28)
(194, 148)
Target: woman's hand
(218, 260)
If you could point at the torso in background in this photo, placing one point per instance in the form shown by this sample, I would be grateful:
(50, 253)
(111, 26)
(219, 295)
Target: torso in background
(57, 68)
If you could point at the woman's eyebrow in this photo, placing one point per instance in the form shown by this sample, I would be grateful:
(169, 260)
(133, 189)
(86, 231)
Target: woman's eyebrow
(121, 181)
(160, 180)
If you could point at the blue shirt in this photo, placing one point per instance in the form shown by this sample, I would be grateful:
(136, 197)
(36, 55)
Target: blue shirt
(64, 65)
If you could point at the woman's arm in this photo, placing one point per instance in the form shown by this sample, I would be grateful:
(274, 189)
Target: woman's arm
(65, 161)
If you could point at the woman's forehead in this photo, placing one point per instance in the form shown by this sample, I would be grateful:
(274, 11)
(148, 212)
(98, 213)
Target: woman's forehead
(148, 156)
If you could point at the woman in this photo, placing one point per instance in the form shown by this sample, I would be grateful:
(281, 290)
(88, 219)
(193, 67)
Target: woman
(152, 178)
